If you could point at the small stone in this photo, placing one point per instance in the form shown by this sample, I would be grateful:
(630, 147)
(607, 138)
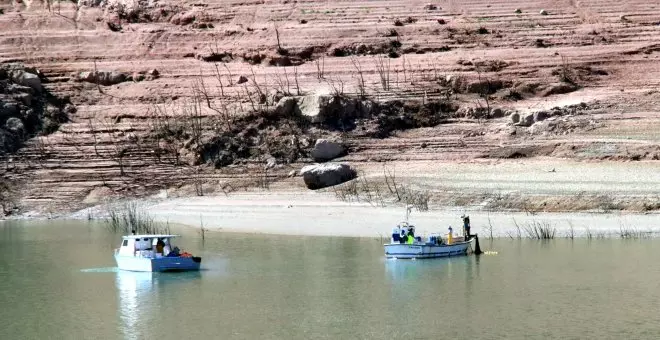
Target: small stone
(15, 125)
(518, 11)
(497, 113)
(271, 163)
(153, 73)
(526, 120)
(241, 80)
(543, 12)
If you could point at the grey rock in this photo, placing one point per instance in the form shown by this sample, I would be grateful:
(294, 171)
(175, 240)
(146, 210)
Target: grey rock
(153, 74)
(285, 106)
(311, 107)
(543, 12)
(25, 98)
(7, 110)
(515, 117)
(497, 113)
(526, 119)
(241, 80)
(27, 79)
(325, 150)
(328, 109)
(540, 116)
(105, 78)
(366, 108)
(320, 176)
(271, 162)
(15, 125)
(274, 96)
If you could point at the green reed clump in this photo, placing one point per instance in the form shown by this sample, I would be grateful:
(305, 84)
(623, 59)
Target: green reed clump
(128, 218)
(632, 233)
(542, 230)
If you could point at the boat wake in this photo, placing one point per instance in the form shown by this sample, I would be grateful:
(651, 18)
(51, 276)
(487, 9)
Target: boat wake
(100, 270)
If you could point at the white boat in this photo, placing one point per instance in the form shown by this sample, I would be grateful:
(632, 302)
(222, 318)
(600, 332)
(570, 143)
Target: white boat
(153, 253)
(402, 247)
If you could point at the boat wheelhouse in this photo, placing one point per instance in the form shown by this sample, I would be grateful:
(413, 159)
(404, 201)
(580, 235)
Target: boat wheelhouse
(153, 253)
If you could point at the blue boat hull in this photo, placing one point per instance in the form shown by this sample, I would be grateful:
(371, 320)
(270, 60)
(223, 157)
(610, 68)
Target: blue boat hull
(425, 251)
(161, 264)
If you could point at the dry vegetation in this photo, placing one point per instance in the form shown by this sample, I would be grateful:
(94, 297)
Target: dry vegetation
(383, 191)
(176, 95)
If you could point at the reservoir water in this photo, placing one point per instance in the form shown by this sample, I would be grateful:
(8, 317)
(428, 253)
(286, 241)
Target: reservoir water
(58, 281)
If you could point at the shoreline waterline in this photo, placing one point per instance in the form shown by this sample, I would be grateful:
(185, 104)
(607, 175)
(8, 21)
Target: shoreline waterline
(306, 214)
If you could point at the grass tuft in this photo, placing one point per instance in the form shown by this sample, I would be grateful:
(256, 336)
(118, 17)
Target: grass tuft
(129, 217)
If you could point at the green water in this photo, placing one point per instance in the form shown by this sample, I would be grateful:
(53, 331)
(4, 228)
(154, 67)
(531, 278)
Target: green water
(59, 282)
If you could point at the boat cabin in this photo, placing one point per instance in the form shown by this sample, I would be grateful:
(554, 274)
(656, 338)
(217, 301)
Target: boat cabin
(150, 246)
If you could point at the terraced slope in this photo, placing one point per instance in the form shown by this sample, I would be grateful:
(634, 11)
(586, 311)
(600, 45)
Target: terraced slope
(612, 46)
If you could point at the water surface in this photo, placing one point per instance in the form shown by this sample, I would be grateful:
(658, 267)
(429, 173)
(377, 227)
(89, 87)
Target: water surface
(59, 282)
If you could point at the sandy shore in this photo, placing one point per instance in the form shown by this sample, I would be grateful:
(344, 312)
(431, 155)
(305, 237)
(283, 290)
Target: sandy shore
(289, 208)
(321, 214)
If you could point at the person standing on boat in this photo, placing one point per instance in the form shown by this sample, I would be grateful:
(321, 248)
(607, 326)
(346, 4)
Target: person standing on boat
(466, 226)
(450, 236)
(159, 248)
(411, 236)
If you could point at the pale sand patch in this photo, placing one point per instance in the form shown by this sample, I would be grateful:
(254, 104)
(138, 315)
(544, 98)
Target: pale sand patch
(311, 213)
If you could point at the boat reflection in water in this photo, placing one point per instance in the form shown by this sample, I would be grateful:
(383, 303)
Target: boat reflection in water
(455, 268)
(139, 297)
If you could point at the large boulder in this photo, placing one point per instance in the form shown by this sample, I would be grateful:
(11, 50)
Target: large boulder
(320, 176)
(330, 109)
(311, 107)
(27, 79)
(325, 150)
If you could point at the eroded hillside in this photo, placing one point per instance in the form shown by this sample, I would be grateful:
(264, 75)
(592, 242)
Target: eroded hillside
(225, 94)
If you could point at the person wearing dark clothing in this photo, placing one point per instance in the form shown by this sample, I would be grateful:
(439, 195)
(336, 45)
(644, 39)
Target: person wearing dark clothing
(466, 226)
